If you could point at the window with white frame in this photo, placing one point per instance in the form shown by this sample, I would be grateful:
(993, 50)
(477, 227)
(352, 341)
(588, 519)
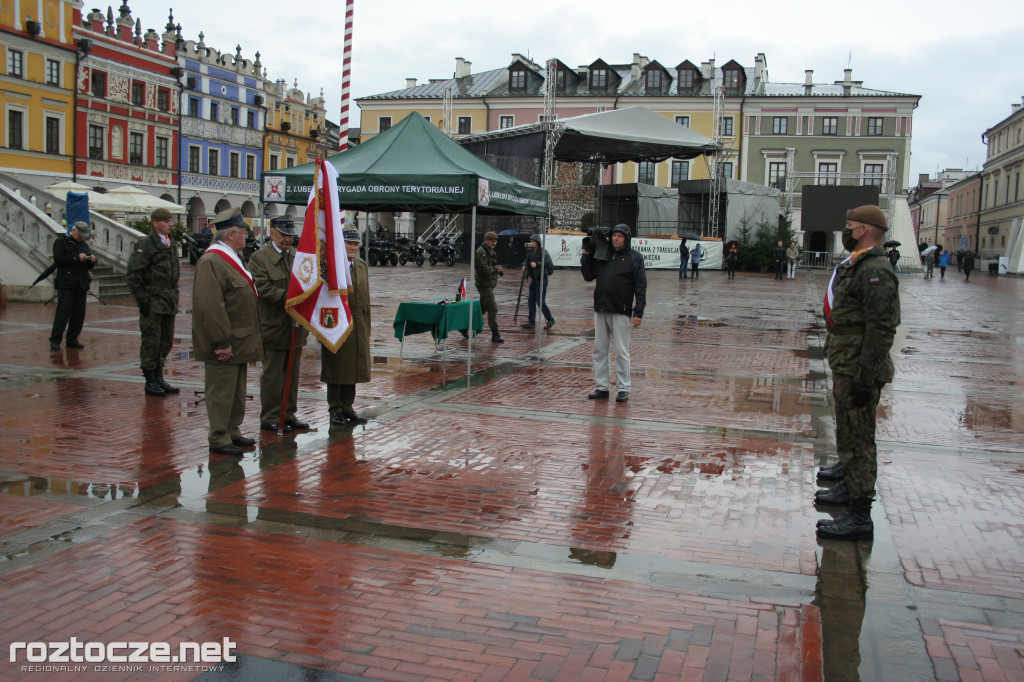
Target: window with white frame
(96, 135)
(465, 125)
(828, 173)
(250, 166)
(830, 125)
(874, 174)
(777, 175)
(645, 172)
(52, 72)
(135, 148)
(234, 163)
(683, 121)
(680, 172)
(193, 159)
(273, 162)
(214, 111)
(163, 99)
(726, 126)
(138, 93)
(726, 168)
(875, 125)
(15, 129)
(289, 162)
(15, 63)
(780, 125)
(213, 162)
(160, 149)
(383, 123)
(52, 125)
(506, 121)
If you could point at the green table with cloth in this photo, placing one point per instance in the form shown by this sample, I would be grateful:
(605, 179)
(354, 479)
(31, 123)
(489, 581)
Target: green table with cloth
(438, 319)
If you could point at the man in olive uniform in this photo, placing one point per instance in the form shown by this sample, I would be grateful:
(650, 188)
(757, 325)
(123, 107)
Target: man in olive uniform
(153, 280)
(485, 279)
(226, 331)
(74, 260)
(341, 371)
(271, 268)
(862, 310)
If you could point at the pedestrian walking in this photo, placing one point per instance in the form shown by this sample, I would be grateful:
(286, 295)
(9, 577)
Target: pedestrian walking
(929, 264)
(152, 277)
(862, 311)
(730, 260)
(271, 269)
(968, 265)
(538, 267)
(894, 257)
(943, 263)
(696, 255)
(620, 297)
(74, 262)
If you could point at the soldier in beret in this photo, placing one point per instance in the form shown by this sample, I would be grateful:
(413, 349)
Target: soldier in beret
(862, 311)
(271, 268)
(74, 260)
(226, 331)
(153, 279)
(341, 371)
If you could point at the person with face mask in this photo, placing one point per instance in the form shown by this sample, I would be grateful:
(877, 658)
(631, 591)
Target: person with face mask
(862, 312)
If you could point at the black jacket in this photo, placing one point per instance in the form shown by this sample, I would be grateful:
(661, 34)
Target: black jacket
(620, 280)
(532, 256)
(72, 273)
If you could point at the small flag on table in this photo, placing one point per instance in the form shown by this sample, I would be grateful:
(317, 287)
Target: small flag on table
(462, 290)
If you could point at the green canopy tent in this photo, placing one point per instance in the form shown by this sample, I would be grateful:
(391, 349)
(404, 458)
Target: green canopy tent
(412, 167)
(415, 167)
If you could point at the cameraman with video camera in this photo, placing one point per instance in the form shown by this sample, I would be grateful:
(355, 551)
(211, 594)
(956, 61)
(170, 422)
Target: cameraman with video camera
(619, 301)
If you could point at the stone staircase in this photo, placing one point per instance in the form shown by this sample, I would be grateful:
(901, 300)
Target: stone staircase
(107, 283)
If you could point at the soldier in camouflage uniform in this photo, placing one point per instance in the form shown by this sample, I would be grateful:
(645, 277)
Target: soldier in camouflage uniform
(862, 309)
(486, 278)
(153, 280)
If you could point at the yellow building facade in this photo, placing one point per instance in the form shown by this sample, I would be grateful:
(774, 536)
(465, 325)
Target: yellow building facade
(38, 55)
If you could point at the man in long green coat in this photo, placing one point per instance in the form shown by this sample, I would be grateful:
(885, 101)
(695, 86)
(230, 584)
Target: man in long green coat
(271, 268)
(226, 331)
(341, 371)
(153, 279)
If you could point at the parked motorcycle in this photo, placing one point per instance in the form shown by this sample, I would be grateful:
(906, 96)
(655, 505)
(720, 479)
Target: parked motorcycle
(444, 251)
(411, 250)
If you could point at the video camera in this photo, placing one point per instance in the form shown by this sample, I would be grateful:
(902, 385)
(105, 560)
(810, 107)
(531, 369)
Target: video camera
(598, 242)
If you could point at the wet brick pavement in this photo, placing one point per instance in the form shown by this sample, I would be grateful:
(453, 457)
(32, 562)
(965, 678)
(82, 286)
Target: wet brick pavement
(502, 526)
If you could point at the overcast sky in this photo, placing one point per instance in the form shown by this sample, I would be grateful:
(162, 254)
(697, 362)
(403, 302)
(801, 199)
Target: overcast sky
(962, 58)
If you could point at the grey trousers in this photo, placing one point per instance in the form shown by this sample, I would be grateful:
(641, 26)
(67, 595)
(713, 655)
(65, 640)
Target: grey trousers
(611, 327)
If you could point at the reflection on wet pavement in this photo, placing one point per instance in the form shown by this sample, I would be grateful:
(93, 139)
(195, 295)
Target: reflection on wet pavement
(500, 525)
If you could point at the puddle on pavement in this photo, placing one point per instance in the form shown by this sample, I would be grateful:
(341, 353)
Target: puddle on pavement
(31, 486)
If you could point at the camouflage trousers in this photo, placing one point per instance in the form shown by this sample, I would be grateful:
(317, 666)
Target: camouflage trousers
(490, 307)
(157, 336)
(855, 437)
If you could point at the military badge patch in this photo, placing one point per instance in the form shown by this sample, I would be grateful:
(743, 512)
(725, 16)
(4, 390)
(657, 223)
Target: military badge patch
(875, 280)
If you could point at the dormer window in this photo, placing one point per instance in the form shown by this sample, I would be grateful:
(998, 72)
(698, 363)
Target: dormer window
(599, 78)
(654, 79)
(731, 79)
(517, 80)
(686, 78)
(560, 80)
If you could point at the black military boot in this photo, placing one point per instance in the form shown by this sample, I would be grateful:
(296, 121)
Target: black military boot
(152, 387)
(856, 525)
(836, 519)
(832, 473)
(839, 494)
(158, 374)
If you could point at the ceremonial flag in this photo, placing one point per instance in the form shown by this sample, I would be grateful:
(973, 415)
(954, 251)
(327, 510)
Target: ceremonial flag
(321, 279)
(462, 290)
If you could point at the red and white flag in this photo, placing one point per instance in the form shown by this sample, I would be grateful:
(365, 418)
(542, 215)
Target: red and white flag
(321, 279)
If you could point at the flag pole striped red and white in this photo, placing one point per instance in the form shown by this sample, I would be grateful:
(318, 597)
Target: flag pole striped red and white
(346, 76)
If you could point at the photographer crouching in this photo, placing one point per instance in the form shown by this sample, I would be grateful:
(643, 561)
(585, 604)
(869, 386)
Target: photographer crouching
(619, 301)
